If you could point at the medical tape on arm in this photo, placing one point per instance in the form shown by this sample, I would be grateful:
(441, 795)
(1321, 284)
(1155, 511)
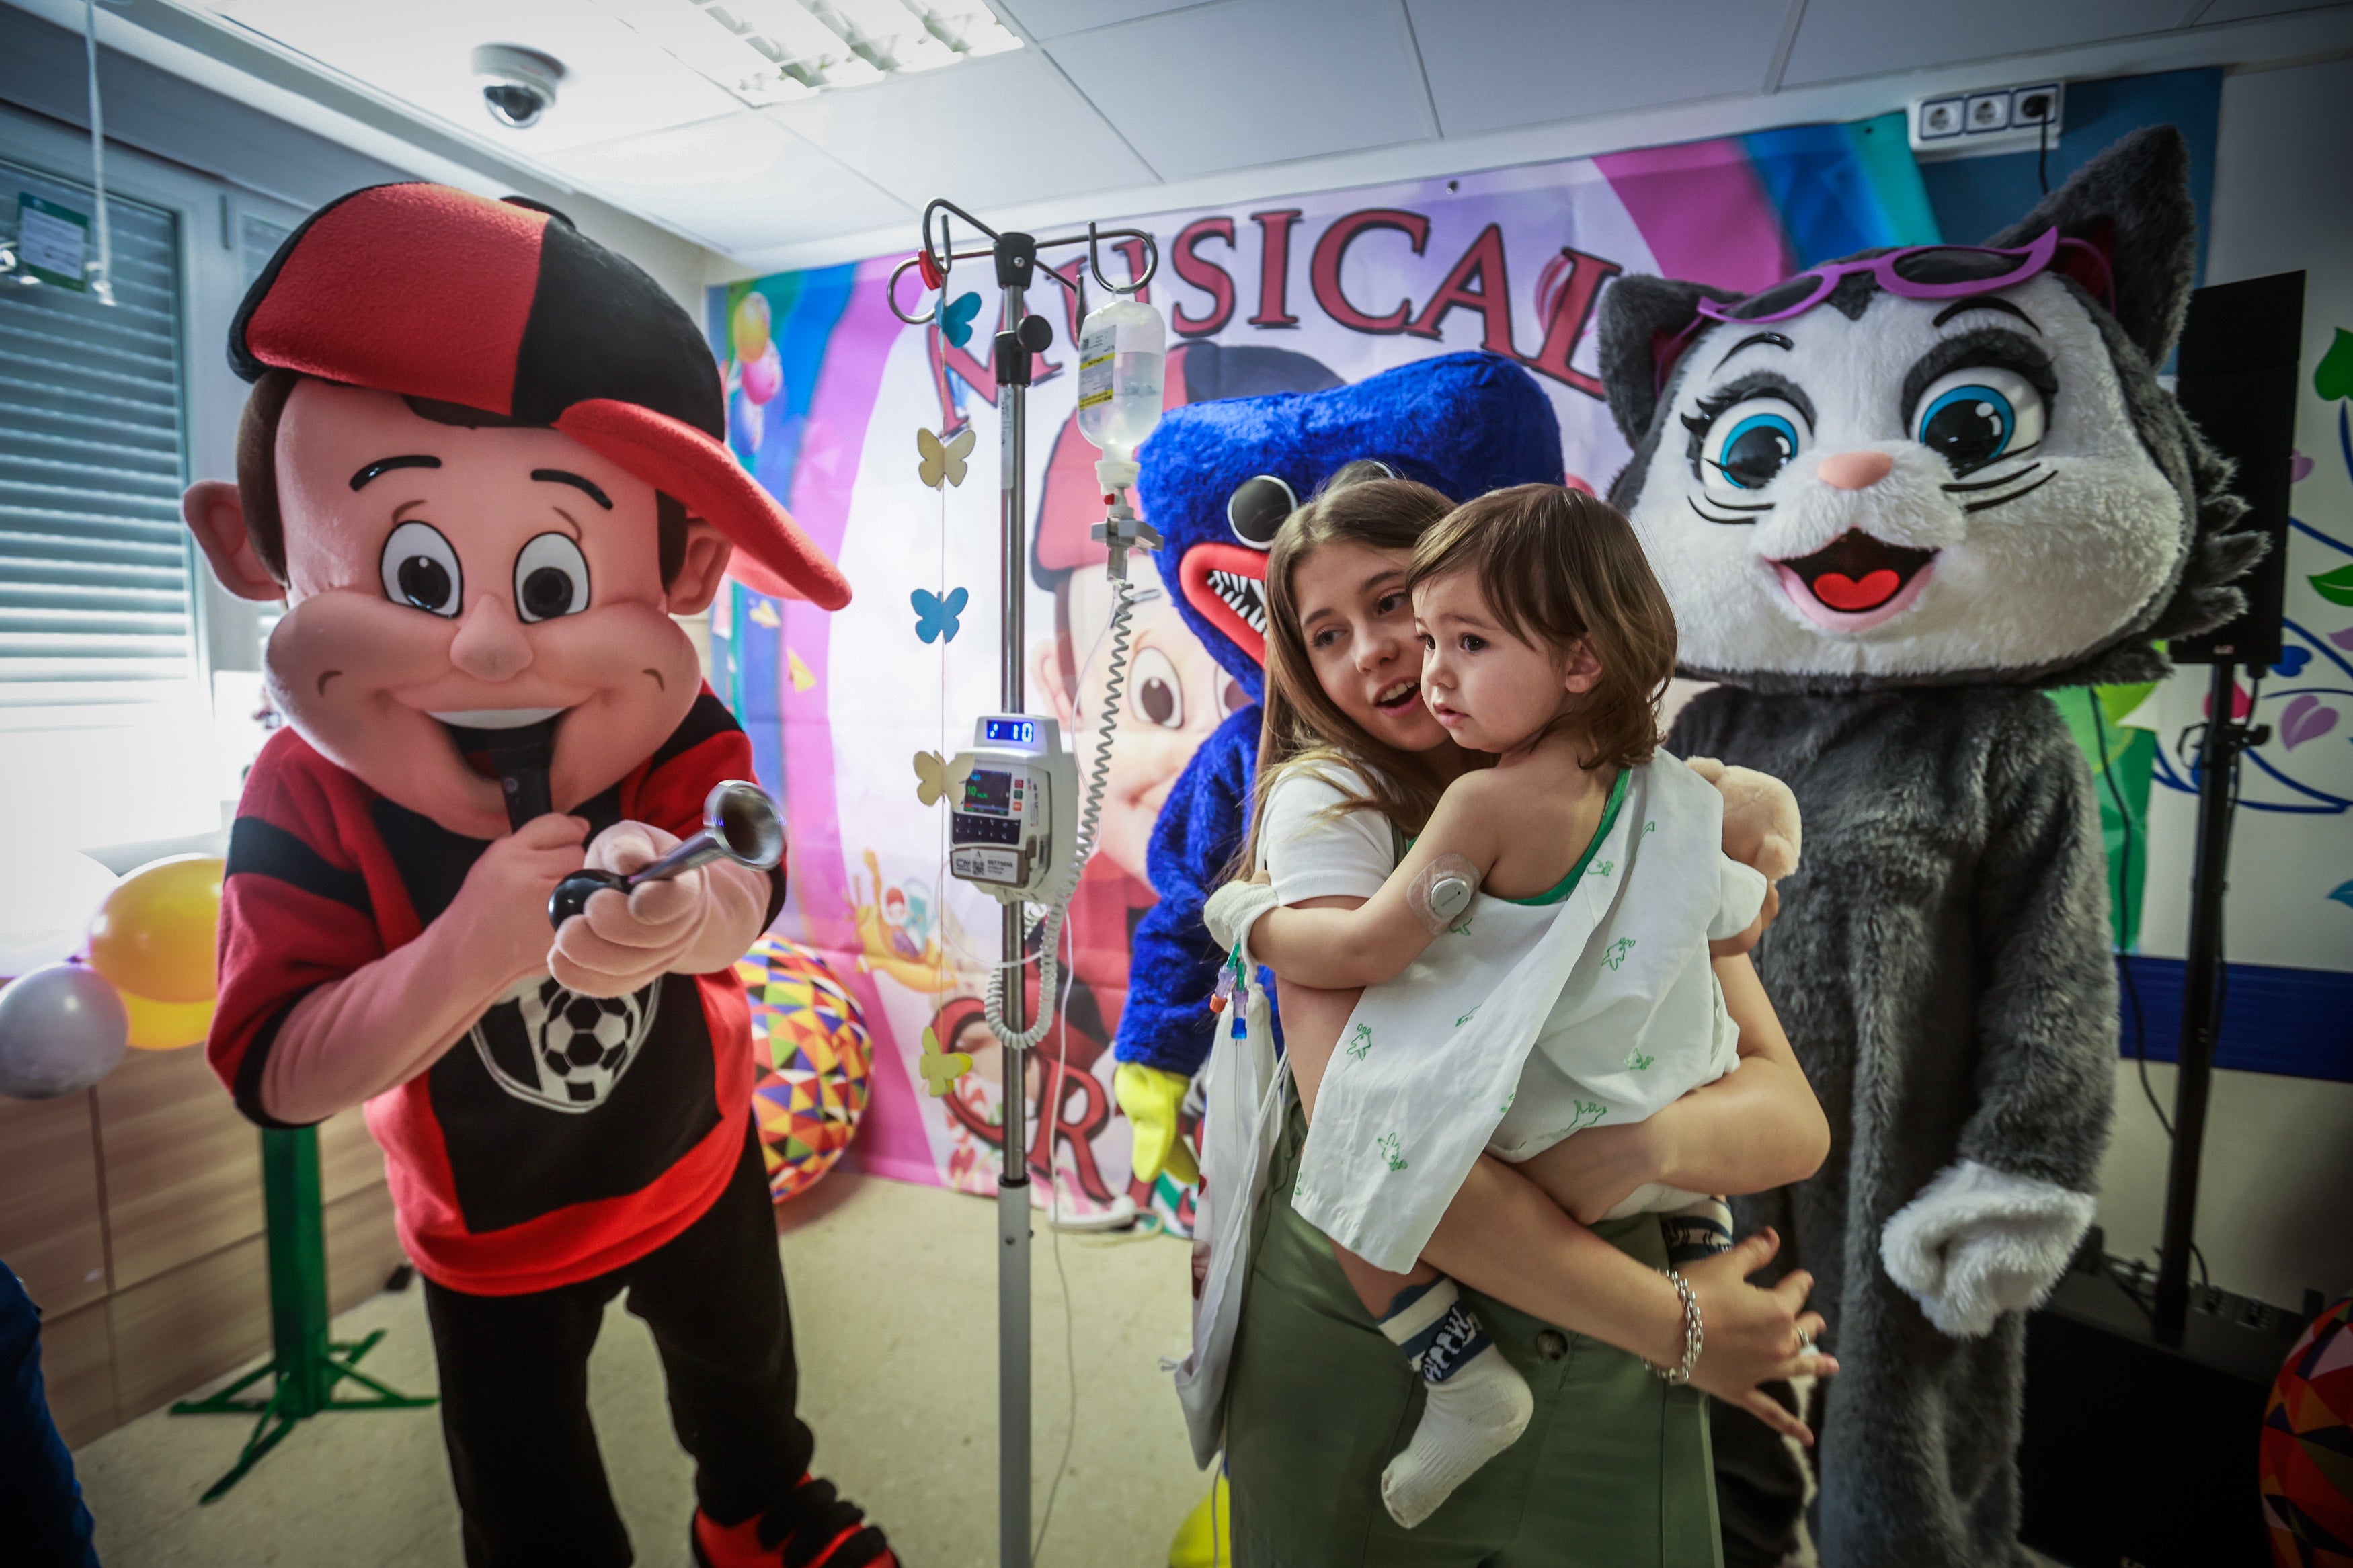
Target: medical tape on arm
(1440, 896)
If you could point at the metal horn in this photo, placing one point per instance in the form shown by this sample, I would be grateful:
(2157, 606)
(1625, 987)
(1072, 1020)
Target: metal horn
(740, 823)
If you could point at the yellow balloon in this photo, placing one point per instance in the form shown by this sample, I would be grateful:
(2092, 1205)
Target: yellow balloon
(167, 1025)
(752, 325)
(155, 934)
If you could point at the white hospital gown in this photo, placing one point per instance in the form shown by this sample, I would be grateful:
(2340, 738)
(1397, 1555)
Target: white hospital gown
(1526, 1023)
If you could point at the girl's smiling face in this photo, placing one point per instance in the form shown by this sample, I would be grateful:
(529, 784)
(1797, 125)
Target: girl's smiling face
(1358, 620)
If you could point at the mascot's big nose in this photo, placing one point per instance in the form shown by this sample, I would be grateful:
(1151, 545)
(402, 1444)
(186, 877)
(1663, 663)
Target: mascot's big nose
(1854, 471)
(490, 644)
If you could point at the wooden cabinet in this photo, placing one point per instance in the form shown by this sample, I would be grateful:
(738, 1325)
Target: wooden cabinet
(133, 1213)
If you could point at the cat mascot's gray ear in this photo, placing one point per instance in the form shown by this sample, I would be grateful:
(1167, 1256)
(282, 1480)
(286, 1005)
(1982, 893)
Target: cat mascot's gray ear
(1643, 325)
(2132, 204)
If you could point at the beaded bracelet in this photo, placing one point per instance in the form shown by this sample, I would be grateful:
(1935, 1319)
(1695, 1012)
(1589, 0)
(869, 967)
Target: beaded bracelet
(1693, 1338)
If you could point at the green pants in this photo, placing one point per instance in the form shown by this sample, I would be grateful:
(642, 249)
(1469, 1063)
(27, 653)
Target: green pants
(1612, 1472)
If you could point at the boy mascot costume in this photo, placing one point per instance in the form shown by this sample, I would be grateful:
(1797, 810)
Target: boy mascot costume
(1893, 500)
(1218, 479)
(481, 465)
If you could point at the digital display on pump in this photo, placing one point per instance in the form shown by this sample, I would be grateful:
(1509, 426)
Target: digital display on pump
(987, 790)
(1011, 731)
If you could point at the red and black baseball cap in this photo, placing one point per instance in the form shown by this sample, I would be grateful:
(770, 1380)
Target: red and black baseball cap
(506, 307)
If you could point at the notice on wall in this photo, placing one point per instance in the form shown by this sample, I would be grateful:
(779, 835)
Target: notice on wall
(52, 242)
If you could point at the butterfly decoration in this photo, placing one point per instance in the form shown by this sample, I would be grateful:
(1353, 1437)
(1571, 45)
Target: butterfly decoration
(764, 614)
(802, 676)
(956, 318)
(936, 776)
(935, 618)
(942, 460)
(941, 1069)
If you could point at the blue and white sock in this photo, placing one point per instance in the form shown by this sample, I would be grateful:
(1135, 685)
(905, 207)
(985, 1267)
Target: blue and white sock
(1697, 1230)
(1475, 1405)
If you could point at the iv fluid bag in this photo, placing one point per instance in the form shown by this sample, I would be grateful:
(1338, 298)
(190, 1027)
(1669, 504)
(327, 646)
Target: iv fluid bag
(1123, 360)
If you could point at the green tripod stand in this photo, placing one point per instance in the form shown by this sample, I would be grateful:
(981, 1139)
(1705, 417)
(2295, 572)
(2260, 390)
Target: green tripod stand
(306, 1364)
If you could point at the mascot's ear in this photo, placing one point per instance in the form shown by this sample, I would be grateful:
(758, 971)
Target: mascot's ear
(2133, 202)
(1641, 319)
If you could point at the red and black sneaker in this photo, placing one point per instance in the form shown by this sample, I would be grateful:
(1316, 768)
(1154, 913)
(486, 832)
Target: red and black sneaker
(813, 1527)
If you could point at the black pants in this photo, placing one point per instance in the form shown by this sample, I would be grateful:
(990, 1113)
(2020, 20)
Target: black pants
(514, 1388)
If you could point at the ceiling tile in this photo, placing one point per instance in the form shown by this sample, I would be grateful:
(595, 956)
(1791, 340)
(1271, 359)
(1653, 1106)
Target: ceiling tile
(984, 134)
(617, 83)
(1053, 19)
(1254, 81)
(739, 184)
(1495, 64)
(2246, 10)
(1841, 39)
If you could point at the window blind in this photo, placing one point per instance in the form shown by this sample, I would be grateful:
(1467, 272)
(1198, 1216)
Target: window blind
(95, 587)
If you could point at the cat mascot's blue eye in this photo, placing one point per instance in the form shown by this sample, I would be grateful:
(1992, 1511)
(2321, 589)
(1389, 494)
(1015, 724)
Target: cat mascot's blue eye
(1973, 416)
(1750, 443)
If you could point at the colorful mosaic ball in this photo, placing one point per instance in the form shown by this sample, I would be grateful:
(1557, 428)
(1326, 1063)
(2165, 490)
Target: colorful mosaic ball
(811, 1053)
(2307, 1448)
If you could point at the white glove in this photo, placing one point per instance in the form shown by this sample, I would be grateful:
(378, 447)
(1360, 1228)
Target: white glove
(1233, 908)
(1980, 1242)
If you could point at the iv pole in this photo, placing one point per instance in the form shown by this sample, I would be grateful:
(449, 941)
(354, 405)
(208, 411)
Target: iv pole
(1021, 335)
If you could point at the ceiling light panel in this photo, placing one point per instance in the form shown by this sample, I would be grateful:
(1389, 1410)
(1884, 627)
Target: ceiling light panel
(778, 52)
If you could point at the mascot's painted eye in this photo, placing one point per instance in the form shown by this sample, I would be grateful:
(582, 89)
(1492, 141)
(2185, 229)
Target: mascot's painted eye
(1159, 697)
(551, 578)
(1972, 416)
(1750, 443)
(420, 568)
(1256, 509)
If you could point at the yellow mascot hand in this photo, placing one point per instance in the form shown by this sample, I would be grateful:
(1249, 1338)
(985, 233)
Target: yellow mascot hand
(1151, 1098)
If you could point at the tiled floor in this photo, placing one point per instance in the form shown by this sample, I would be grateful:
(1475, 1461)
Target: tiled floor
(893, 1292)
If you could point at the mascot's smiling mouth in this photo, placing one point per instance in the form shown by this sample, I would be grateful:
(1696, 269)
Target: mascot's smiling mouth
(1227, 583)
(1855, 582)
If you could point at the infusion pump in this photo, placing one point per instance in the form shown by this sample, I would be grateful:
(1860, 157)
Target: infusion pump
(1013, 829)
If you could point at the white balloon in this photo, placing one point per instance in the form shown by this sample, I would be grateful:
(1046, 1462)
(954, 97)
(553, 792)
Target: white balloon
(62, 1029)
(48, 897)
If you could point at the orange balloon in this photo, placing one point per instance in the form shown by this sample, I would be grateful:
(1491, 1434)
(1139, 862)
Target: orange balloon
(166, 1026)
(155, 936)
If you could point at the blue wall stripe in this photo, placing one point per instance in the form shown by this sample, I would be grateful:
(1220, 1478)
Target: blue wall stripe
(2297, 1023)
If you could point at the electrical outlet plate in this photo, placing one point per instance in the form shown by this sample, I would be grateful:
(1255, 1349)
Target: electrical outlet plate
(1991, 120)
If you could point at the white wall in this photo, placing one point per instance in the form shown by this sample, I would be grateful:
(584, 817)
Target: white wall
(2274, 1214)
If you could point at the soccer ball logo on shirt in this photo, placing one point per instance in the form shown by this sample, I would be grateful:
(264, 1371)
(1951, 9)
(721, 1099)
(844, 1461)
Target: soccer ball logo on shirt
(557, 1048)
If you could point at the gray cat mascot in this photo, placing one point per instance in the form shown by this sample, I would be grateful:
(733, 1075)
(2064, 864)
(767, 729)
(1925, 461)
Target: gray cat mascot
(1893, 500)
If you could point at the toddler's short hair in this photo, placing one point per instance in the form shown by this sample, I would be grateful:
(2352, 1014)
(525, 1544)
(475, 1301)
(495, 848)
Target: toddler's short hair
(1557, 565)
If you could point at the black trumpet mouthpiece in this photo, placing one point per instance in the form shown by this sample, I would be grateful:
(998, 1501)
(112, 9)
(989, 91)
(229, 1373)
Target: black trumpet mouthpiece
(518, 759)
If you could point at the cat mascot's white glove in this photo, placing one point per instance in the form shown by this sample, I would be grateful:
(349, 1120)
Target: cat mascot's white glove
(1980, 1242)
(1233, 908)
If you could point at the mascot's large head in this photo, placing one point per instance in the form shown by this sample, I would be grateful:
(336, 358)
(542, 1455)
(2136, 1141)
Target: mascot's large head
(1934, 466)
(1220, 477)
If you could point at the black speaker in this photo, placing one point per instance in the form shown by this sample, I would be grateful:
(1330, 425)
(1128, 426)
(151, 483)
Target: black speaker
(2236, 378)
(2136, 1454)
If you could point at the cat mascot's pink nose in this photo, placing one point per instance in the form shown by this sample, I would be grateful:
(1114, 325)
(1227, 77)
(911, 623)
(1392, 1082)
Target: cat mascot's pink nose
(1854, 471)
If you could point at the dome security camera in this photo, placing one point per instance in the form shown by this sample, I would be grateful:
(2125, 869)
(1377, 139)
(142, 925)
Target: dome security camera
(518, 84)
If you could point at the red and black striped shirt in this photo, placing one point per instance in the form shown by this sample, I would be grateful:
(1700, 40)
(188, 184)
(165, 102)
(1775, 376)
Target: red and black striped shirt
(563, 1136)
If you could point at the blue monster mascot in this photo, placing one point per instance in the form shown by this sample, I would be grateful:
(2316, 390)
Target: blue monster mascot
(1218, 479)
(1892, 502)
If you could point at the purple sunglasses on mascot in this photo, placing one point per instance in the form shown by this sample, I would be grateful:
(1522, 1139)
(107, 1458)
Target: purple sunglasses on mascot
(1914, 272)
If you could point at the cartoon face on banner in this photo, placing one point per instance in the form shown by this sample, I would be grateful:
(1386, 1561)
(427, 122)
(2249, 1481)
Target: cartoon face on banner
(828, 390)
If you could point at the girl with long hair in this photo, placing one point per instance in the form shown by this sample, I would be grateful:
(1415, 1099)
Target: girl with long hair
(1613, 1466)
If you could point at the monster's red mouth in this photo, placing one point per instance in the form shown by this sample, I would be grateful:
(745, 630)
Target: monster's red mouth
(1855, 580)
(1226, 582)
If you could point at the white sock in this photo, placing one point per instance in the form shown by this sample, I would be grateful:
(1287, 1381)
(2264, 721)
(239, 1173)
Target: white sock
(1697, 1230)
(1476, 1405)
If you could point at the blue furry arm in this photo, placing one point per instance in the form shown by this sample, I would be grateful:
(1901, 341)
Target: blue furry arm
(1173, 967)
(2047, 1019)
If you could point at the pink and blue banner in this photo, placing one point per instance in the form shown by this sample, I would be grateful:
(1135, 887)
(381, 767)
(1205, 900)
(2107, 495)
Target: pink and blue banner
(828, 390)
